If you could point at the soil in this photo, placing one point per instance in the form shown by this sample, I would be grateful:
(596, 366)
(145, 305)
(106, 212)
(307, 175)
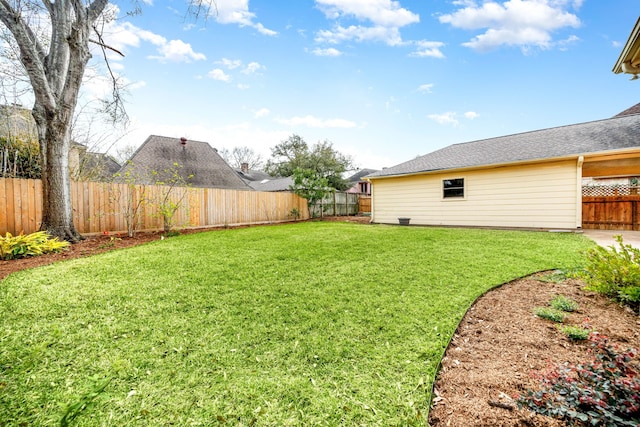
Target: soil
(494, 354)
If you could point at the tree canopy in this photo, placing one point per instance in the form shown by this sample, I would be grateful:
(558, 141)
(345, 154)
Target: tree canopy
(321, 158)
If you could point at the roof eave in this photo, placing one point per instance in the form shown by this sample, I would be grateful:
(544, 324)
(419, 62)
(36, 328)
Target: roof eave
(631, 52)
(516, 163)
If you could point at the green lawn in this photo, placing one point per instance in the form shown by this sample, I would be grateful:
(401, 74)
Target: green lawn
(302, 324)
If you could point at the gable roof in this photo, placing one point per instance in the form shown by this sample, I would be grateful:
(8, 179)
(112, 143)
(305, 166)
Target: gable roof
(356, 177)
(616, 133)
(159, 153)
(629, 111)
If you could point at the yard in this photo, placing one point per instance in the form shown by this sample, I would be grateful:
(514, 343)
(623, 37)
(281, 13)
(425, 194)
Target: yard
(311, 323)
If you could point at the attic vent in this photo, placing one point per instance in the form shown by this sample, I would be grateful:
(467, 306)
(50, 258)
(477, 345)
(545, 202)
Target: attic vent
(183, 141)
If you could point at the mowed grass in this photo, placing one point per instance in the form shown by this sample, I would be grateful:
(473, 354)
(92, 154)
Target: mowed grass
(302, 324)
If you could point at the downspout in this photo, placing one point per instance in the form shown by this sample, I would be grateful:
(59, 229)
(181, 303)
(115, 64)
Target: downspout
(579, 192)
(372, 220)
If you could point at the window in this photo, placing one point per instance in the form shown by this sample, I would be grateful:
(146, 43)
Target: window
(453, 188)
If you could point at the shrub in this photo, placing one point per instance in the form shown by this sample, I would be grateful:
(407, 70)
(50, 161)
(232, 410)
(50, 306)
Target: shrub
(575, 333)
(550, 314)
(563, 303)
(38, 243)
(604, 390)
(614, 272)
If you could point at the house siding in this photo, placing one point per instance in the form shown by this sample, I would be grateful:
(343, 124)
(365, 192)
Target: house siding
(524, 196)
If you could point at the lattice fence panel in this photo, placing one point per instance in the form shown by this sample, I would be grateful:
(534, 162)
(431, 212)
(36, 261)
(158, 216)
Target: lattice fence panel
(610, 190)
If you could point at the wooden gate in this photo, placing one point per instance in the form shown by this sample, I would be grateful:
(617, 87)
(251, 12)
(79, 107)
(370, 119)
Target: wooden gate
(611, 212)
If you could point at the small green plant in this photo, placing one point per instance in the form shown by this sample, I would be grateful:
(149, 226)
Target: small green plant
(563, 303)
(575, 333)
(550, 314)
(555, 276)
(604, 390)
(38, 243)
(295, 213)
(614, 272)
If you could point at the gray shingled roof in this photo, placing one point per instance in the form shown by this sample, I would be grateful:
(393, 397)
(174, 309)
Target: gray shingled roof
(573, 140)
(356, 177)
(159, 153)
(273, 184)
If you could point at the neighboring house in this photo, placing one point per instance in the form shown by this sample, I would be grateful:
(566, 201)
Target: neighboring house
(251, 175)
(197, 163)
(526, 180)
(358, 184)
(17, 122)
(273, 184)
(88, 166)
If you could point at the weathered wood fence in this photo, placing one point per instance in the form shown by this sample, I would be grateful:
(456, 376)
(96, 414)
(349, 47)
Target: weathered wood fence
(336, 204)
(100, 207)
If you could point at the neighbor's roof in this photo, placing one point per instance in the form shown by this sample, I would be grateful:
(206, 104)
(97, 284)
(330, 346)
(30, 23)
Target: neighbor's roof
(159, 153)
(617, 133)
(360, 174)
(273, 184)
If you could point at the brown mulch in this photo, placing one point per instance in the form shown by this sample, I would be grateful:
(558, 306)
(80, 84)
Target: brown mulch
(495, 351)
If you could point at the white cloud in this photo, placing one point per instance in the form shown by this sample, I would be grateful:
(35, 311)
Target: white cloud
(252, 68)
(425, 88)
(314, 122)
(522, 23)
(242, 86)
(448, 118)
(326, 52)
(177, 51)
(429, 49)
(385, 13)
(359, 33)
(219, 74)
(263, 112)
(125, 35)
(451, 118)
(385, 17)
(230, 63)
(237, 12)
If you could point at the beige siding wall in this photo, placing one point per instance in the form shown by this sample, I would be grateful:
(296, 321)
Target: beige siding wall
(530, 196)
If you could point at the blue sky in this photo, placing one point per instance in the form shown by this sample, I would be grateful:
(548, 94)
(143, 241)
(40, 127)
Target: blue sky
(383, 80)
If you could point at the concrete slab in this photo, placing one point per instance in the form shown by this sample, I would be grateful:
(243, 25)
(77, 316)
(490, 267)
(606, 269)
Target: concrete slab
(605, 237)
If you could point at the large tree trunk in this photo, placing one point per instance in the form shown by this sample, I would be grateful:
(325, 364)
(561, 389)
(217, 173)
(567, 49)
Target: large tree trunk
(57, 210)
(55, 70)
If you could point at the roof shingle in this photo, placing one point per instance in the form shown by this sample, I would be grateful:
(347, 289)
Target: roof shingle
(604, 135)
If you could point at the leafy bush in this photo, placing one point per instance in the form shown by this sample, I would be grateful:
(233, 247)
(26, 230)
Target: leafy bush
(614, 272)
(563, 303)
(575, 333)
(38, 243)
(550, 314)
(605, 390)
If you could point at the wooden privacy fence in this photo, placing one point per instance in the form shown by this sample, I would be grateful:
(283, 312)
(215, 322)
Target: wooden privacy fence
(336, 204)
(100, 207)
(611, 213)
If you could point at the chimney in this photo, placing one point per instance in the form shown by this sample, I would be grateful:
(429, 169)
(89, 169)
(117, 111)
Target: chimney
(183, 141)
(244, 167)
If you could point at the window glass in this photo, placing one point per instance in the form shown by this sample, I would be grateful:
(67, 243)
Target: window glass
(453, 188)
